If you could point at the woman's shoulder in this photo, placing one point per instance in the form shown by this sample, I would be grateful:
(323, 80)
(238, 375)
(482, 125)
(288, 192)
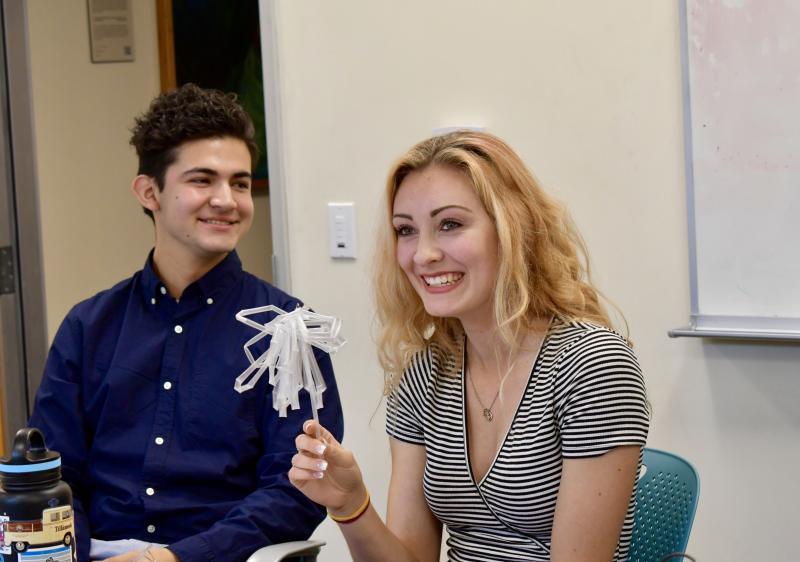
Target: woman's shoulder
(571, 337)
(594, 354)
(417, 385)
(431, 361)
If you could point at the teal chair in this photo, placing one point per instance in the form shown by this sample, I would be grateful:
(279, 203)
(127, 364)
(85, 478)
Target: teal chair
(666, 501)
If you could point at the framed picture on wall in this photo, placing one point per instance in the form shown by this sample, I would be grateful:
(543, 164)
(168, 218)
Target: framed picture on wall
(216, 44)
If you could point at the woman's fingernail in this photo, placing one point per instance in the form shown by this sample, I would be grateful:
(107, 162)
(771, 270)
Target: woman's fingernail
(318, 475)
(322, 465)
(320, 449)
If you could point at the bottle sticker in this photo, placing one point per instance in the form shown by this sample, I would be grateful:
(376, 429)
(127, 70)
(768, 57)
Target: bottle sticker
(50, 538)
(4, 548)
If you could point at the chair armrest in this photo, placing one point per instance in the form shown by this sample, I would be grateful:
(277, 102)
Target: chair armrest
(281, 551)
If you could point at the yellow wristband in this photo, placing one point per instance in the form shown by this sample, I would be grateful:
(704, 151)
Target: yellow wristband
(353, 516)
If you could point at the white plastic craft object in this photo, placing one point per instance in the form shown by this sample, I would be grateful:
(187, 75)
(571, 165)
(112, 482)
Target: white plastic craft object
(290, 357)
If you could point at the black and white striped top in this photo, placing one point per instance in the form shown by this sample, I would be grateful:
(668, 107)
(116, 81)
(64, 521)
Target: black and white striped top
(585, 396)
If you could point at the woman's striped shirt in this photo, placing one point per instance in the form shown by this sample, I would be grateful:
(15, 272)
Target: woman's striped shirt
(585, 396)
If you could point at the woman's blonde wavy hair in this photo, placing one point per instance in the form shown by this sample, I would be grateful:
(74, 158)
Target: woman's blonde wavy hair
(543, 264)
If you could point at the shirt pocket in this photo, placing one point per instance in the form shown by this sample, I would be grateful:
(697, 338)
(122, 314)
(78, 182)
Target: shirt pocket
(218, 417)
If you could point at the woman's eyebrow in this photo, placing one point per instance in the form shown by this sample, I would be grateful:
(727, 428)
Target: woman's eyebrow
(434, 212)
(440, 209)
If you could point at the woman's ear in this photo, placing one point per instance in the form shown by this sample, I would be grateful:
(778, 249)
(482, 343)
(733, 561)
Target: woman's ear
(146, 191)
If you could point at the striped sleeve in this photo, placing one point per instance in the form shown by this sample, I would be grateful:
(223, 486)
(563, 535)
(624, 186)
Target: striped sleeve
(600, 399)
(405, 404)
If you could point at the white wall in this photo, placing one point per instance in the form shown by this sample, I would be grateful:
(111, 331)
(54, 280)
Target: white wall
(590, 94)
(93, 232)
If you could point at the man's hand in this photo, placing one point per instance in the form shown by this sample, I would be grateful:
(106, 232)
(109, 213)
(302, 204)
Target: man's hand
(151, 554)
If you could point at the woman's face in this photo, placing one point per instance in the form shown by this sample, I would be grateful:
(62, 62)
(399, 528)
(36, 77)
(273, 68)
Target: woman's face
(446, 244)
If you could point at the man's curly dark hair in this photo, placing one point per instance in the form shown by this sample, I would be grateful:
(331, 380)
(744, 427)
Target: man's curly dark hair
(185, 114)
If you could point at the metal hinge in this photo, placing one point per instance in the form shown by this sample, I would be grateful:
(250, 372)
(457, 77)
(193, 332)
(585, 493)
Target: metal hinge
(8, 280)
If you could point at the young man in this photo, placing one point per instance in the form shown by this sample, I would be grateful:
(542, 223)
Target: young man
(138, 392)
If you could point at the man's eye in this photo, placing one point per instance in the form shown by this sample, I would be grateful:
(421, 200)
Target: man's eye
(450, 224)
(199, 180)
(243, 185)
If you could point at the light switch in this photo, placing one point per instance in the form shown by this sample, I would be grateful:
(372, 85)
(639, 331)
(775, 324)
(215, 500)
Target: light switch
(342, 230)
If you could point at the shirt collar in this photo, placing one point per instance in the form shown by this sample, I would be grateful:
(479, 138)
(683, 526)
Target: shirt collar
(215, 282)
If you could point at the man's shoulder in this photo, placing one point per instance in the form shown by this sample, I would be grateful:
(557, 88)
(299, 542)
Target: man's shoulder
(264, 293)
(110, 298)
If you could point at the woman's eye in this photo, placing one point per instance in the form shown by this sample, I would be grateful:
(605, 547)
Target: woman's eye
(449, 225)
(403, 230)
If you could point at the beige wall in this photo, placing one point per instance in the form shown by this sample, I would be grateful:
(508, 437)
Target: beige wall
(93, 232)
(92, 235)
(590, 95)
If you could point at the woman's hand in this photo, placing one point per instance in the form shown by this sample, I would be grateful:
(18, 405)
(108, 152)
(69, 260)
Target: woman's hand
(326, 472)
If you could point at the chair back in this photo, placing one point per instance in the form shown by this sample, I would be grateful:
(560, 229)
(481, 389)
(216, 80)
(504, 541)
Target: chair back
(666, 501)
(295, 551)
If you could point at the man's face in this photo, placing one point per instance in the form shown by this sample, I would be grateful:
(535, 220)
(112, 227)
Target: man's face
(206, 205)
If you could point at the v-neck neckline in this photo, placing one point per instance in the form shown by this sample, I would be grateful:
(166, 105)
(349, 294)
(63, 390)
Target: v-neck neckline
(465, 427)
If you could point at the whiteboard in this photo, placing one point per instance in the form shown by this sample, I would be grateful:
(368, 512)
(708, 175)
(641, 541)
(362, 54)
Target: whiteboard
(741, 66)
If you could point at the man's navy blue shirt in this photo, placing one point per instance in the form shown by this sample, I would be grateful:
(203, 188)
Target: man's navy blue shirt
(138, 398)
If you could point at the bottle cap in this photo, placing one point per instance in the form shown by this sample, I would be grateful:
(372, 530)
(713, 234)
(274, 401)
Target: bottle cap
(29, 454)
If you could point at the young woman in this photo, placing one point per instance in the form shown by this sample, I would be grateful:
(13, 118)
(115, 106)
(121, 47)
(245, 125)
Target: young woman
(516, 415)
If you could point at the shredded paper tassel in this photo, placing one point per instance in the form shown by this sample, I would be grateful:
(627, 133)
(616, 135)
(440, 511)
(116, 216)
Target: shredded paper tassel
(290, 357)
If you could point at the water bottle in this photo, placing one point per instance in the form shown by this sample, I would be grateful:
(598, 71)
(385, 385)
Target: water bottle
(36, 520)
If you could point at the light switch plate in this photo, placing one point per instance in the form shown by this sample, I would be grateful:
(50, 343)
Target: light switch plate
(342, 230)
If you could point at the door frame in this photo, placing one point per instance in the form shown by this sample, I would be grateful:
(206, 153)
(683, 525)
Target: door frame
(281, 262)
(21, 389)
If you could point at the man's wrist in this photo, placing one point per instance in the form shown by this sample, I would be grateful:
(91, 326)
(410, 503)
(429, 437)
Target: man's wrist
(157, 554)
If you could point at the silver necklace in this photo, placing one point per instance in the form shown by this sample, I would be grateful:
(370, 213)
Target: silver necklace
(488, 415)
(487, 412)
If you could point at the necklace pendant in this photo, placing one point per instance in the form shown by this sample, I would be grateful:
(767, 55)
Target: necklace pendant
(487, 413)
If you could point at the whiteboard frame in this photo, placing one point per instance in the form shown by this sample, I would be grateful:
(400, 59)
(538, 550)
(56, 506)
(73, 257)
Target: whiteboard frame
(732, 327)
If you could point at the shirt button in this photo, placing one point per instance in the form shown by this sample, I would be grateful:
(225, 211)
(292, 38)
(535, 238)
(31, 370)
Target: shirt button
(209, 300)
(178, 329)
(151, 528)
(167, 385)
(159, 440)
(149, 491)
(153, 300)
(163, 290)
